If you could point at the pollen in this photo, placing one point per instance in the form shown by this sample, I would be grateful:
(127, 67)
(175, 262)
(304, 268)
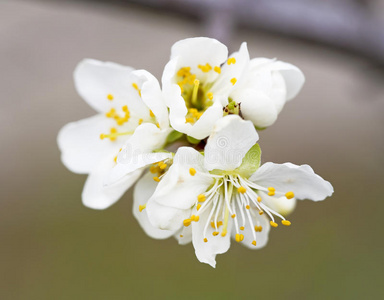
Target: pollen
(158, 125)
(151, 113)
(189, 120)
(242, 189)
(157, 179)
(195, 218)
(205, 240)
(217, 69)
(198, 206)
(215, 233)
(258, 228)
(231, 60)
(162, 165)
(233, 80)
(181, 235)
(271, 191)
(224, 233)
(110, 97)
(135, 86)
(141, 207)
(187, 222)
(254, 243)
(201, 198)
(237, 238)
(247, 207)
(192, 171)
(259, 199)
(286, 222)
(261, 212)
(210, 96)
(205, 68)
(289, 195)
(242, 228)
(273, 224)
(233, 216)
(140, 121)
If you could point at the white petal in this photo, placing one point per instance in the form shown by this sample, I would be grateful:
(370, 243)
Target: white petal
(256, 107)
(80, 144)
(230, 140)
(261, 237)
(144, 189)
(282, 205)
(178, 188)
(166, 217)
(98, 196)
(95, 80)
(138, 151)
(152, 96)
(206, 251)
(199, 51)
(301, 180)
(223, 84)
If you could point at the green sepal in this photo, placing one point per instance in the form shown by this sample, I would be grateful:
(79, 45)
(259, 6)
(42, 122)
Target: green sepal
(251, 162)
(192, 140)
(174, 136)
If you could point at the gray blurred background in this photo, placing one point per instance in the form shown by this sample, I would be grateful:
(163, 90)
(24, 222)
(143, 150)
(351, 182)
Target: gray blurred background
(52, 247)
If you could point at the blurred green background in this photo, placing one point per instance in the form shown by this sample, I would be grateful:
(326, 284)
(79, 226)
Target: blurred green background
(52, 247)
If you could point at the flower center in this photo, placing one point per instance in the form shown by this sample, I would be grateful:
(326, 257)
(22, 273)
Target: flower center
(234, 197)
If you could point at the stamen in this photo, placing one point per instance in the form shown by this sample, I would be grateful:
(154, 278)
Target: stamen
(151, 113)
(242, 189)
(157, 179)
(140, 121)
(181, 235)
(233, 216)
(205, 240)
(192, 171)
(110, 97)
(271, 191)
(273, 224)
(187, 222)
(205, 68)
(233, 80)
(210, 96)
(259, 199)
(247, 207)
(242, 228)
(198, 207)
(217, 69)
(141, 207)
(135, 86)
(258, 228)
(286, 222)
(231, 60)
(289, 195)
(201, 198)
(215, 233)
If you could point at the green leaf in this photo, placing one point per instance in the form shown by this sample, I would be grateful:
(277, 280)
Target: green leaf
(192, 140)
(251, 162)
(174, 136)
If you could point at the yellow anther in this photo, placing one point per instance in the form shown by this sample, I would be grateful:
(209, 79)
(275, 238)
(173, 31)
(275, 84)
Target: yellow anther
(219, 223)
(213, 224)
(242, 189)
(238, 238)
(286, 222)
(231, 60)
(224, 233)
(271, 189)
(201, 198)
(198, 207)
(210, 96)
(111, 113)
(254, 243)
(215, 233)
(183, 71)
(193, 110)
(271, 193)
(258, 228)
(273, 224)
(247, 207)
(163, 166)
(158, 125)
(205, 68)
(217, 69)
(157, 179)
(205, 240)
(110, 97)
(233, 80)
(102, 136)
(181, 235)
(242, 228)
(259, 199)
(289, 195)
(195, 218)
(151, 113)
(141, 207)
(125, 108)
(135, 86)
(187, 222)
(192, 171)
(261, 212)
(140, 121)
(189, 120)
(233, 216)
(153, 169)
(115, 159)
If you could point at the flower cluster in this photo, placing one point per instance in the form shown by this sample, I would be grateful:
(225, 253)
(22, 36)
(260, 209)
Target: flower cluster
(190, 145)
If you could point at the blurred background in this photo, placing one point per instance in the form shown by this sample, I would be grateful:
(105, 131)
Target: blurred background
(52, 247)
